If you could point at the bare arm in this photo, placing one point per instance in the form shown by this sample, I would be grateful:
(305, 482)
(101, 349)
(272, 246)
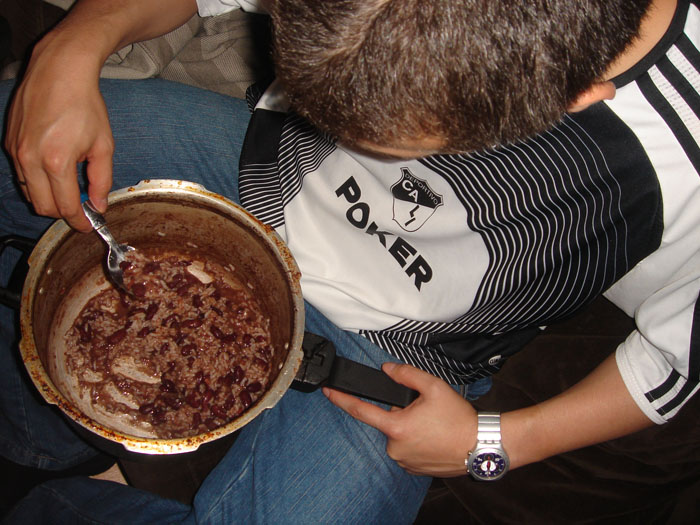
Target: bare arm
(58, 118)
(433, 435)
(597, 409)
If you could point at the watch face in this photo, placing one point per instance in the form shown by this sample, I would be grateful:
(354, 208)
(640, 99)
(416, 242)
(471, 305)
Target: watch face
(488, 465)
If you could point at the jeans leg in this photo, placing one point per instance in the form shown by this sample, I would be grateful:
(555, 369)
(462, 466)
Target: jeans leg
(161, 130)
(303, 461)
(306, 461)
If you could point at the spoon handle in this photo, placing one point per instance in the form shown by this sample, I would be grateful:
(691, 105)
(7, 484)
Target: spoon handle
(99, 224)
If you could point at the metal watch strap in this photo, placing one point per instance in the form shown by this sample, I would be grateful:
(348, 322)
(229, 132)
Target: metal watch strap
(488, 428)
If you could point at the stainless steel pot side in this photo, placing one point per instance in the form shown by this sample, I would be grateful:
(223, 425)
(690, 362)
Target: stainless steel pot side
(164, 213)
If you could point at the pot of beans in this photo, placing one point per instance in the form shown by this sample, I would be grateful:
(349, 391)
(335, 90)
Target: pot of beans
(209, 335)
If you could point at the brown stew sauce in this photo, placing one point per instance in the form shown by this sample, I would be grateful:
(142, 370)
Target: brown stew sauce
(187, 353)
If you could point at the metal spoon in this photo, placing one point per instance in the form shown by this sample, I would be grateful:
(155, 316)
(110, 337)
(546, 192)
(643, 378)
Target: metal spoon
(116, 253)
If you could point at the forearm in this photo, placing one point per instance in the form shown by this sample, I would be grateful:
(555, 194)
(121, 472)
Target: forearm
(597, 409)
(94, 29)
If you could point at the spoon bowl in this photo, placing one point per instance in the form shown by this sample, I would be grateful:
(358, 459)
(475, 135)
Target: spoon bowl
(116, 253)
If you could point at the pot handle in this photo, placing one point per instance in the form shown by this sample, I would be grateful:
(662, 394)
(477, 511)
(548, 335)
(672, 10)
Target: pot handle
(11, 295)
(321, 367)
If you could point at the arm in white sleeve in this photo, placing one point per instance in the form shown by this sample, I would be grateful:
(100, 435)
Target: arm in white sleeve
(218, 7)
(660, 361)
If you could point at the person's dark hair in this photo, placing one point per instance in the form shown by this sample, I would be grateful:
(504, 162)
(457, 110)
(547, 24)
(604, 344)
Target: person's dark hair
(476, 72)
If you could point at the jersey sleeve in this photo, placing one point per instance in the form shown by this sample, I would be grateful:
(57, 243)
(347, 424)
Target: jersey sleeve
(218, 7)
(660, 361)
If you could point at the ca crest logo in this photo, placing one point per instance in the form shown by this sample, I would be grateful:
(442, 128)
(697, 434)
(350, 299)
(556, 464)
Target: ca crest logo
(414, 201)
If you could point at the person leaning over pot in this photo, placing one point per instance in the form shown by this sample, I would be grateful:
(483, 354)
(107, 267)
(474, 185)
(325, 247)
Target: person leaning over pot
(443, 172)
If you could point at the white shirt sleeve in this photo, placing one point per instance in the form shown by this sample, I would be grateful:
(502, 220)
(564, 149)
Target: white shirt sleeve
(218, 7)
(657, 361)
(660, 361)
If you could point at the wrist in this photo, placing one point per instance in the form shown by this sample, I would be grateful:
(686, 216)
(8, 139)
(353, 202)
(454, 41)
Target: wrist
(519, 431)
(67, 50)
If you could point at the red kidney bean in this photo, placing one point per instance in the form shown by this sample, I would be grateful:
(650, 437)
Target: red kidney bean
(238, 374)
(229, 339)
(173, 402)
(167, 385)
(197, 301)
(192, 323)
(175, 281)
(125, 265)
(143, 332)
(196, 420)
(158, 415)
(254, 387)
(211, 423)
(209, 395)
(151, 311)
(216, 332)
(151, 266)
(265, 352)
(219, 412)
(188, 349)
(116, 337)
(193, 400)
(139, 289)
(124, 300)
(164, 348)
(147, 408)
(227, 380)
(261, 363)
(245, 398)
(182, 290)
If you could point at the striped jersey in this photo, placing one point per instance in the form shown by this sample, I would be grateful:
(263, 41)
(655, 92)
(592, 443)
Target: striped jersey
(453, 262)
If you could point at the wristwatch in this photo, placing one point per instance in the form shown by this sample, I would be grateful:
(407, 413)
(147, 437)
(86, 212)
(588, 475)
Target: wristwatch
(488, 461)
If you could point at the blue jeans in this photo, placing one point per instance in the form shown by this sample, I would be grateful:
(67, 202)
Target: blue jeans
(304, 461)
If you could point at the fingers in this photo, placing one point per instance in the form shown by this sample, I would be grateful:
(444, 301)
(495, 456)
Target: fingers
(412, 377)
(51, 184)
(99, 172)
(361, 410)
(66, 195)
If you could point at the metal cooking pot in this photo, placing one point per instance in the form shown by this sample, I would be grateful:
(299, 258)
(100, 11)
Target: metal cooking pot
(161, 213)
(168, 213)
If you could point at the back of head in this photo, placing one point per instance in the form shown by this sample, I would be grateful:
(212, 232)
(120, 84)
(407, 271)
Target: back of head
(474, 72)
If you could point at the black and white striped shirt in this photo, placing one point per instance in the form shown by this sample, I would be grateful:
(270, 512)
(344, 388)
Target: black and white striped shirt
(452, 262)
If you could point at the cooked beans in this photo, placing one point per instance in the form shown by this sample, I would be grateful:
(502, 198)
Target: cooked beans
(189, 353)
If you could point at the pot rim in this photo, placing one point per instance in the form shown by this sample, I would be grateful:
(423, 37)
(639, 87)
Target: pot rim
(53, 238)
